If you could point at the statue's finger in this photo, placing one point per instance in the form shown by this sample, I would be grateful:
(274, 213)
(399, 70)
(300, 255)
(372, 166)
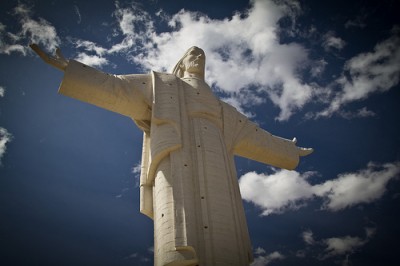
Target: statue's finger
(305, 151)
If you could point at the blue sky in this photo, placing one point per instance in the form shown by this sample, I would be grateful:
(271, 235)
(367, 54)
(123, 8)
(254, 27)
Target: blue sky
(326, 72)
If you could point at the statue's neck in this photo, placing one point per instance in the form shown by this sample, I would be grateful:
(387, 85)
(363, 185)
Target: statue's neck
(193, 75)
(197, 83)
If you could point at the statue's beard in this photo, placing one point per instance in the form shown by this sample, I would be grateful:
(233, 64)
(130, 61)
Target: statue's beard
(193, 65)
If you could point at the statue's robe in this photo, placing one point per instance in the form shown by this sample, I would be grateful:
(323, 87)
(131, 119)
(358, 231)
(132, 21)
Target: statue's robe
(188, 182)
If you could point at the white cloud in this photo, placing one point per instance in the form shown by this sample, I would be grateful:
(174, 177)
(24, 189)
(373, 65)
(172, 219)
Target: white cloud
(92, 54)
(287, 190)
(126, 19)
(5, 137)
(90, 47)
(276, 193)
(32, 30)
(342, 245)
(136, 171)
(91, 60)
(40, 32)
(135, 24)
(126, 44)
(308, 237)
(338, 246)
(351, 189)
(136, 27)
(263, 259)
(2, 91)
(318, 67)
(368, 73)
(259, 251)
(8, 49)
(330, 41)
(131, 256)
(37, 31)
(360, 113)
(137, 168)
(358, 22)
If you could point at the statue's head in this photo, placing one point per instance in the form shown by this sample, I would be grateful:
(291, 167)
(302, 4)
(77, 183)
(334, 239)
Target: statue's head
(193, 63)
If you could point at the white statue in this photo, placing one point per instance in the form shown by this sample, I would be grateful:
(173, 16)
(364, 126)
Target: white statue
(188, 182)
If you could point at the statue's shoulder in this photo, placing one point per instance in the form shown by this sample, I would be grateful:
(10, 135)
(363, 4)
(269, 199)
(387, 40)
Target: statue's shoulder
(231, 110)
(228, 106)
(162, 77)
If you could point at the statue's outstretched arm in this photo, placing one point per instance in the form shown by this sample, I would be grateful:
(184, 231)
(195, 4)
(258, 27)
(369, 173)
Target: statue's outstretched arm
(57, 61)
(246, 139)
(128, 95)
(260, 145)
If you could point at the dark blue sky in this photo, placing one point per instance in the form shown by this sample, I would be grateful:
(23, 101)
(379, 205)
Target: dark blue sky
(326, 72)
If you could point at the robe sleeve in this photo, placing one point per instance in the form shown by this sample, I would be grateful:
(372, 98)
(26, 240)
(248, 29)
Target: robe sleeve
(129, 95)
(246, 139)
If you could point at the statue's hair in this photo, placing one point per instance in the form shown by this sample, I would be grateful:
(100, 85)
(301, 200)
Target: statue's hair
(177, 70)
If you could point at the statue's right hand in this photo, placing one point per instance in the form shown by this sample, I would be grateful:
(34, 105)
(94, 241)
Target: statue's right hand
(57, 61)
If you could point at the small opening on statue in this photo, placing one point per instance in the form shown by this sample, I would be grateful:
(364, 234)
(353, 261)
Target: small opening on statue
(240, 121)
(143, 82)
(185, 165)
(198, 146)
(162, 214)
(202, 197)
(169, 84)
(205, 227)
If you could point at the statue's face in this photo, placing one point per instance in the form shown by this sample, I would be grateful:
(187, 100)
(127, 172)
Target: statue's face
(194, 61)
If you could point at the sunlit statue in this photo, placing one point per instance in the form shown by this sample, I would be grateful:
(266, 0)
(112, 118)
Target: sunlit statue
(188, 182)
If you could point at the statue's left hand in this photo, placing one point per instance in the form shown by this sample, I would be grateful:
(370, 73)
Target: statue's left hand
(303, 151)
(57, 61)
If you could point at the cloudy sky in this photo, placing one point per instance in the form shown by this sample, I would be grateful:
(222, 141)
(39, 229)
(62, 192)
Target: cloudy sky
(326, 72)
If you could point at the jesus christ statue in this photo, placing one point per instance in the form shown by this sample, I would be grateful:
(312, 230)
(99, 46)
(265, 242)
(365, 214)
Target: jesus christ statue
(188, 182)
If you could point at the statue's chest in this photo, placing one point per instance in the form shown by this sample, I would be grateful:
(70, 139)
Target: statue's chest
(199, 99)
